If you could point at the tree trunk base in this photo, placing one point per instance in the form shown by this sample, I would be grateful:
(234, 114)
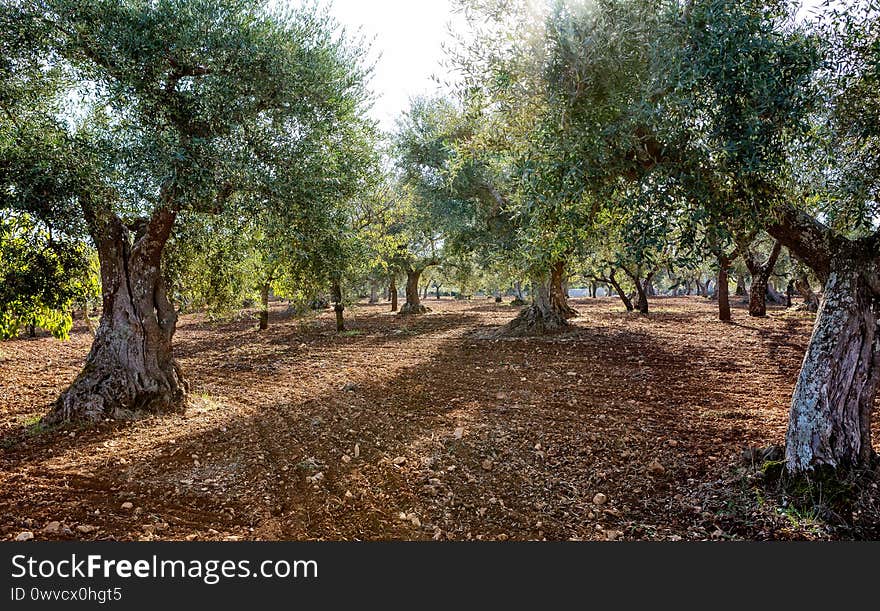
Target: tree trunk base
(535, 320)
(410, 309)
(102, 391)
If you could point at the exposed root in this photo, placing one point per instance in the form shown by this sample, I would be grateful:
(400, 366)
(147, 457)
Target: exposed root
(534, 320)
(409, 309)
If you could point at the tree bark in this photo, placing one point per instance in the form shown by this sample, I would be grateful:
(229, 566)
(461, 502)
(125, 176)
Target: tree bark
(413, 303)
(374, 292)
(641, 288)
(723, 288)
(392, 293)
(612, 280)
(802, 286)
(338, 305)
(264, 306)
(549, 310)
(760, 279)
(830, 418)
(130, 367)
(740, 286)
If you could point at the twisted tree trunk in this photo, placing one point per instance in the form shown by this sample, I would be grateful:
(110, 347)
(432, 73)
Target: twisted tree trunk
(130, 367)
(830, 419)
(549, 310)
(760, 279)
(829, 422)
(413, 303)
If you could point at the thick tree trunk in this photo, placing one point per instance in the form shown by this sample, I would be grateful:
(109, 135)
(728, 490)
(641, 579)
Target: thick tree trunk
(413, 303)
(830, 419)
(758, 297)
(437, 291)
(549, 310)
(760, 280)
(374, 292)
(264, 306)
(392, 294)
(593, 290)
(130, 367)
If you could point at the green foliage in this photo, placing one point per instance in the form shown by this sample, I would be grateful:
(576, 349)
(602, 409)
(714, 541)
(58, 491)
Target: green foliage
(41, 277)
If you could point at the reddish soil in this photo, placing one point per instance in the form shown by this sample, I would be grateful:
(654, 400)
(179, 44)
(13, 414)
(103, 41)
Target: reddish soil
(422, 428)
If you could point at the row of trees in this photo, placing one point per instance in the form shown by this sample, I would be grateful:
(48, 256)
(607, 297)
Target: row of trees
(199, 150)
(631, 134)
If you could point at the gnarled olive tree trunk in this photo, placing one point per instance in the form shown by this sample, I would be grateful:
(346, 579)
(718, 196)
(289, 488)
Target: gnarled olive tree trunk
(549, 310)
(830, 419)
(130, 367)
(413, 303)
(760, 278)
(829, 422)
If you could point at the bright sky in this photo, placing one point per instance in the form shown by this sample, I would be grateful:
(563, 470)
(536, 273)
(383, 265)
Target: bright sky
(407, 38)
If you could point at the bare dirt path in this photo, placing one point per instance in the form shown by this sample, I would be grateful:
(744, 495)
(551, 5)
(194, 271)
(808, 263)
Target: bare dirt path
(421, 428)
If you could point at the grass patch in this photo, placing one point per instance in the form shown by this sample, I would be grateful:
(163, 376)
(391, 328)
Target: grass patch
(351, 333)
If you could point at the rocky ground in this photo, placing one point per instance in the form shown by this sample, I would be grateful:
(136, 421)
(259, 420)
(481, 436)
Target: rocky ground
(624, 427)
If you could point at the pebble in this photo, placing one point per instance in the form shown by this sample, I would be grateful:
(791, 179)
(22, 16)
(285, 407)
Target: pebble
(487, 465)
(128, 505)
(52, 527)
(357, 450)
(414, 520)
(86, 529)
(600, 499)
(655, 469)
(399, 460)
(346, 458)
(24, 536)
(459, 433)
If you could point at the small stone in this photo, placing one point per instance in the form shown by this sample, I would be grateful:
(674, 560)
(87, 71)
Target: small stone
(52, 527)
(655, 469)
(128, 506)
(348, 494)
(459, 432)
(487, 465)
(613, 535)
(191, 537)
(357, 450)
(414, 520)
(350, 387)
(399, 460)
(86, 529)
(346, 458)
(24, 536)
(600, 499)
(503, 537)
